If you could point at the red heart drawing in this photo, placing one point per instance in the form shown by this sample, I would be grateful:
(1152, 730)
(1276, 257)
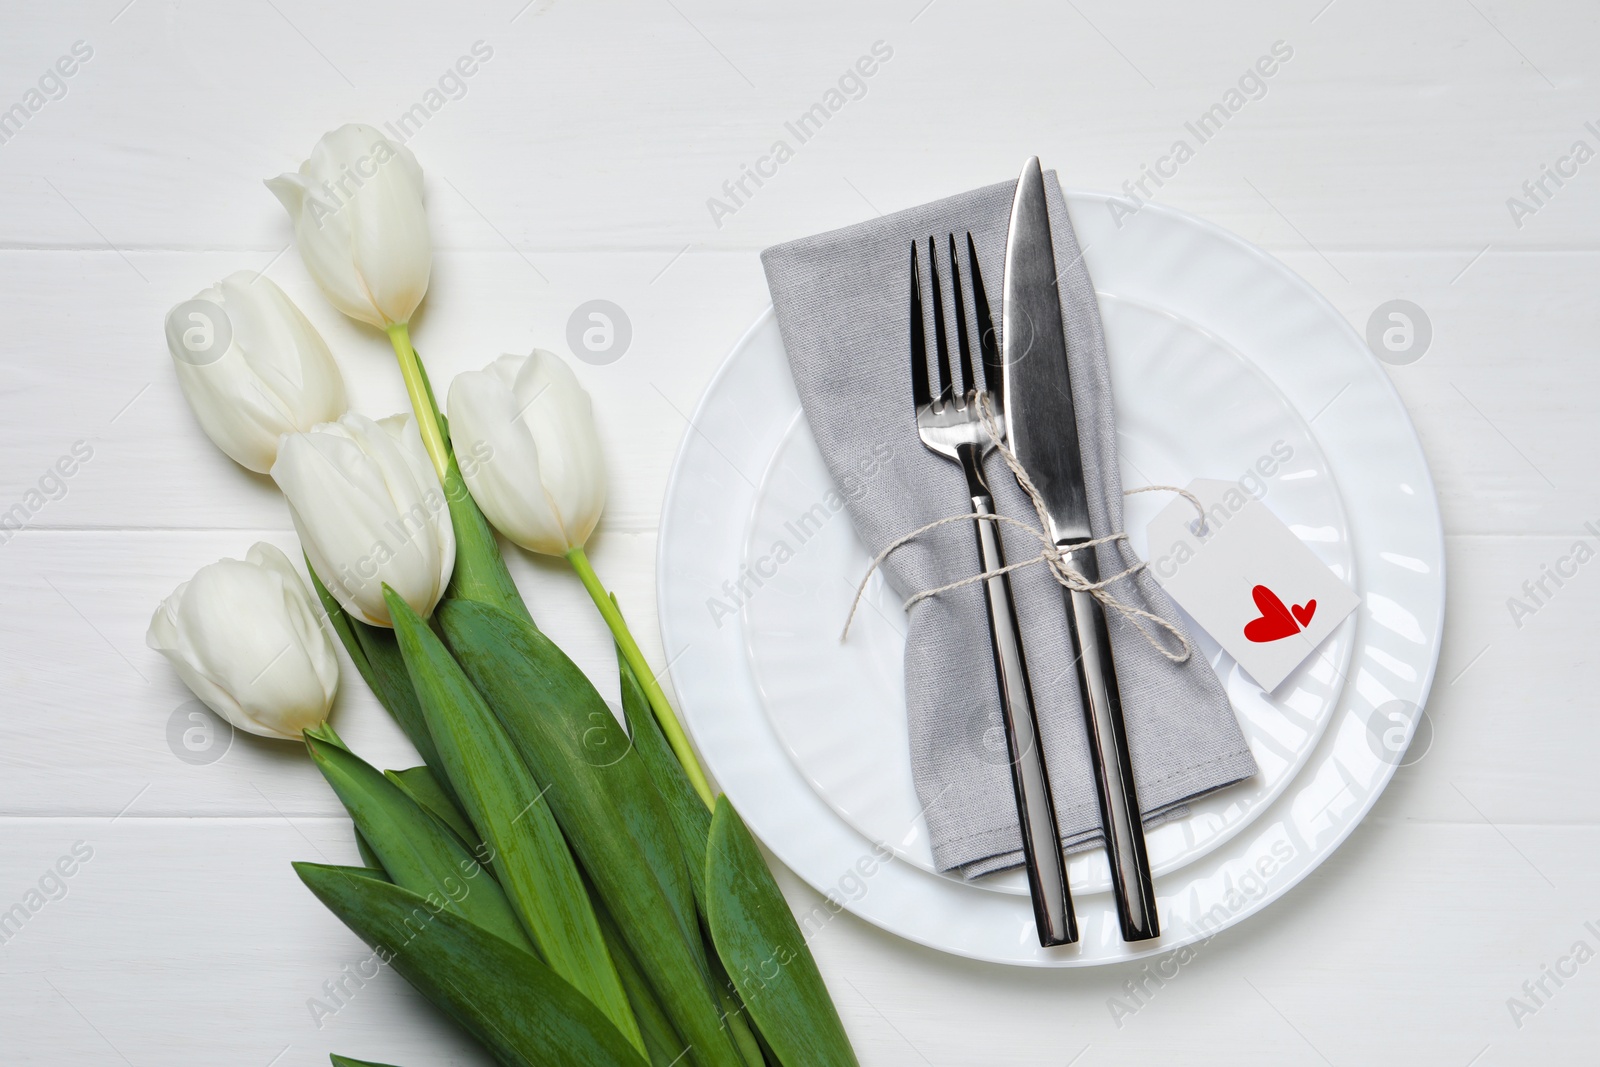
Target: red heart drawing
(1275, 622)
(1303, 613)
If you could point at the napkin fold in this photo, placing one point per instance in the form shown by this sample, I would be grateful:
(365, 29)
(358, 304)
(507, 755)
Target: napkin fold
(842, 300)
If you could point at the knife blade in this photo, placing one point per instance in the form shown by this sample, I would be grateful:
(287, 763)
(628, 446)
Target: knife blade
(1042, 427)
(1040, 411)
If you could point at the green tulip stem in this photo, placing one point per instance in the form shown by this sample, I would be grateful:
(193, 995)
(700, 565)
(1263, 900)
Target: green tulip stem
(641, 670)
(417, 389)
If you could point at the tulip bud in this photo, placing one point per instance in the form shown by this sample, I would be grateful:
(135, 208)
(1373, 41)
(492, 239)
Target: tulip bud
(524, 431)
(356, 205)
(247, 638)
(252, 367)
(370, 512)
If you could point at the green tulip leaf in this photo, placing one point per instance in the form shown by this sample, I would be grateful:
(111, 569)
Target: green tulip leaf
(691, 820)
(661, 1041)
(510, 809)
(345, 1061)
(358, 872)
(368, 856)
(411, 846)
(377, 657)
(480, 570)
(735, 1015)
(603, 798)
(765, 952)
(519, 1008)
(342, 625)
(421, 786)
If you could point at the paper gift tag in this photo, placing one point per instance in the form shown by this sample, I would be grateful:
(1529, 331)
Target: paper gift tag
(1246, 579)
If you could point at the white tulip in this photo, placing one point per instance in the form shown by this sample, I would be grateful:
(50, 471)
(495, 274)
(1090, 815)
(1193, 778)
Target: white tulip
(252, 367)
(370, 512)
(246, 637)
(356, 205)
(524, 429)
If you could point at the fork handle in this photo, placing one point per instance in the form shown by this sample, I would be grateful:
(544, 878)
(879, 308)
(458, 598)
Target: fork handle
(1036, 813)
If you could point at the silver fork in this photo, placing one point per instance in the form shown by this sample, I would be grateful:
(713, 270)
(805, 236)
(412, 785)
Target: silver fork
(952, 425)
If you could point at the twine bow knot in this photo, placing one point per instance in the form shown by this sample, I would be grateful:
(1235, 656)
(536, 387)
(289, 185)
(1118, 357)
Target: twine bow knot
(1051, 554)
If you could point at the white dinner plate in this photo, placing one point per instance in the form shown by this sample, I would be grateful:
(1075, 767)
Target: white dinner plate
(1187, 407)
(1218, 354)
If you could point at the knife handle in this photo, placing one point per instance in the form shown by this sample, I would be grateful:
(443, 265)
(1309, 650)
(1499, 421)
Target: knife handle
(1120, 814)
(1036, 813)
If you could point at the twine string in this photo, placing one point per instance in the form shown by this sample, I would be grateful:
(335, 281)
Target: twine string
(1050, 554)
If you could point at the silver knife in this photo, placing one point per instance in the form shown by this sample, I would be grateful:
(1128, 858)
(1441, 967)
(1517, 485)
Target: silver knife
(1042, 426)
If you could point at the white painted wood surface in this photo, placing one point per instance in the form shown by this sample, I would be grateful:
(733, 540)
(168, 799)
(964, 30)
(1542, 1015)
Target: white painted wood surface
(578, 165)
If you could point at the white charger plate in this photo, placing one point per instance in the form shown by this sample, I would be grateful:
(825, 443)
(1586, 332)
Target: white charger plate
(1217, 352)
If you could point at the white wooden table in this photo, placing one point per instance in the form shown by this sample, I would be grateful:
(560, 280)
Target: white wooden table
(578, 163)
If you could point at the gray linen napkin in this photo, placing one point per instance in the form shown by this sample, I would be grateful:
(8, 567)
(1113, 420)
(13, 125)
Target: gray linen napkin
(842, 301)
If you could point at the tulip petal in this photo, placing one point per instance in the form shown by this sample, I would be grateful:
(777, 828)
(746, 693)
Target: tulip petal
(524, 428)
(370, 511)
(248, 646)
(360, 223)
(302, 612)
(559, 414)
(285, 352)
(290, 189)
(276, 375)
(390, 247)
(502, 463)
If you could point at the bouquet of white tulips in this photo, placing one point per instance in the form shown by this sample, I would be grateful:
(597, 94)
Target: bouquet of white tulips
(564, 885)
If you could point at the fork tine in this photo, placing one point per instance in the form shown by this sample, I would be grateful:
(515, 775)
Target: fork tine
(921, 394)
(988, 344)
(941, 345)
(969, 381)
